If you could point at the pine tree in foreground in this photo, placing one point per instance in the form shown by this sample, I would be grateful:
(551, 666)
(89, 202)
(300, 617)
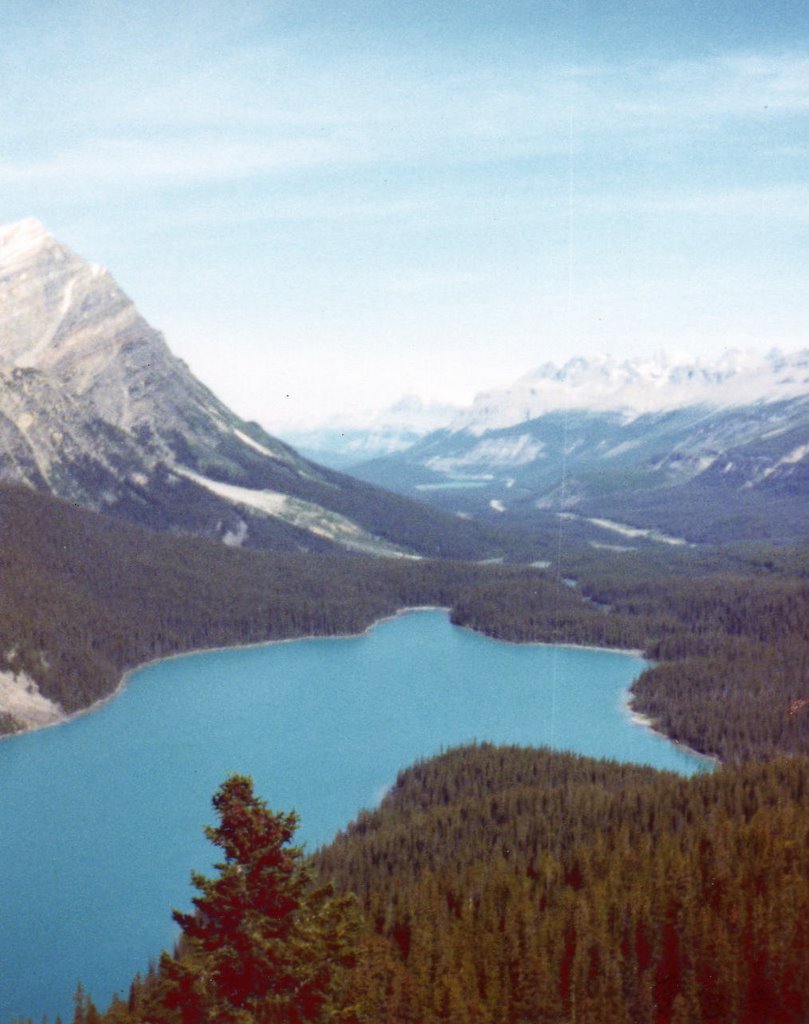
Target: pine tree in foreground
(265, 944)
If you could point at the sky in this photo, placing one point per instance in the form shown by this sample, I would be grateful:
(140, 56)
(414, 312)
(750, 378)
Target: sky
(327, 205)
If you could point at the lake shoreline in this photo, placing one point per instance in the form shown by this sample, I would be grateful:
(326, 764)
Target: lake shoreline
(649, 723)
(97, 705)
(636, 717)
(628, 651)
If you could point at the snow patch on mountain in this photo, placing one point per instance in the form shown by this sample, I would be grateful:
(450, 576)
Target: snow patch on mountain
(270, 502)
(236, 538)
(790, 459)
(303, 514)
(618, 449)
(632, 532)
(494, 452)
(261, 448)
(17, 240)
(705, 462)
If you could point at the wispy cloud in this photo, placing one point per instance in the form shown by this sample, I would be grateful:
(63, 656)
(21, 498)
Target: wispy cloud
(290, 208)
(739, 85)
(270, 110)
(169, 161)
(788, 203)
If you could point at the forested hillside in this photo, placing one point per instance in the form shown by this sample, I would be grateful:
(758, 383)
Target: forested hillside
(512, 886)
(515, 886)
(83, 598)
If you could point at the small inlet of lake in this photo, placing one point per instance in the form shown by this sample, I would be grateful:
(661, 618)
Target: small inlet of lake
(102, 817)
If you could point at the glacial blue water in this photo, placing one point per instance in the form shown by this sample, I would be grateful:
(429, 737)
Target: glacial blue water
(102, 817)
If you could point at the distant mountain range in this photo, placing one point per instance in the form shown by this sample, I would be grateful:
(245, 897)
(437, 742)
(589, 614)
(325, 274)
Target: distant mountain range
(352, 437)
(669, 448)
(633, 387)
(96, 409)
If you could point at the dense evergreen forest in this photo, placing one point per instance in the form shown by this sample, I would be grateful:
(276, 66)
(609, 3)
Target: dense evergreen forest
(513, 886)
(506, 885)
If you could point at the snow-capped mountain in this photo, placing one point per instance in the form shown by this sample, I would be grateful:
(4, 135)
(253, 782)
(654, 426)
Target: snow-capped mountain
(96, 409)
(715, 451)
(635, 387)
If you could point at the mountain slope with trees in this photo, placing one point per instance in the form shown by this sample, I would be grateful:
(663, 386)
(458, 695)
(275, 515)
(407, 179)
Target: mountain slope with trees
(495, 885)
(515, 886)
(85, 597)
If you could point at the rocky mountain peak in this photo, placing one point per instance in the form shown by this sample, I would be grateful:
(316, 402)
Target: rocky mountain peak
(18, 239)
(52, 303)
(68, 319)
(95, 408)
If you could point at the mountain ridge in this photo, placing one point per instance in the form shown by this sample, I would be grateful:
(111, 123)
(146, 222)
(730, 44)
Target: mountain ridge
(636, 386)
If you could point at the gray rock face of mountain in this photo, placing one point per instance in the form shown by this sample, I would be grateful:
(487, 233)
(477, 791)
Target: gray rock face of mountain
(95, 408)
(69, 321)
(716, 456)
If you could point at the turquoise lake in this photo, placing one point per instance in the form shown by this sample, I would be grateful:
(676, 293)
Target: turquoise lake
(102, 817)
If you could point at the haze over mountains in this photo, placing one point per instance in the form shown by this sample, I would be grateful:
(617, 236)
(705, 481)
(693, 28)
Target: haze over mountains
(358, 435)
(94, 408)
(706, 451)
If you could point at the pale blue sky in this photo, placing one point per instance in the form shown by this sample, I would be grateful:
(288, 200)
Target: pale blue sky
(325, 205)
